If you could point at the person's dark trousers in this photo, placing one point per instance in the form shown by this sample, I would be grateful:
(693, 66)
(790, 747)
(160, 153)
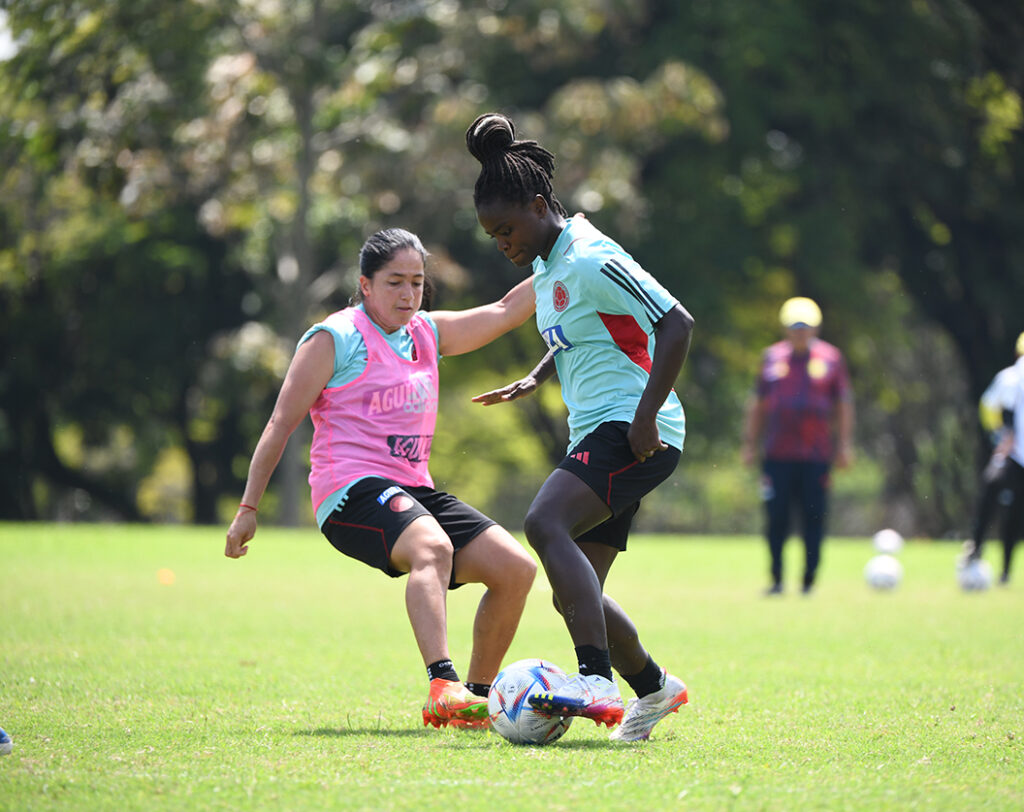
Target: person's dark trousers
(1013, 521)
(988, 501)
(805, 485)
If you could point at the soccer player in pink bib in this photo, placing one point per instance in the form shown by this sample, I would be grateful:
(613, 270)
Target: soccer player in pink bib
(367, 376)
(618, 340)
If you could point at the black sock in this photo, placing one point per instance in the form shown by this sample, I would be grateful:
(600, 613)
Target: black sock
(649, 680)
(478, 688)
(594, 660)
(442, 669)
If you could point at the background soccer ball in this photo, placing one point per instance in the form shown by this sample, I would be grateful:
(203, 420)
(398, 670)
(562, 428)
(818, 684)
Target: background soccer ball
(511, 715)
(975, 575)
(6, 745)
(888, 541)
(883, 572)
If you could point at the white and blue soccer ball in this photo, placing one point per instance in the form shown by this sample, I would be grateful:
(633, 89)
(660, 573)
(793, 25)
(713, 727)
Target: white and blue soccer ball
(511, 714)
(6, 743)
(883, 572)
(975, 575)
(888, 541)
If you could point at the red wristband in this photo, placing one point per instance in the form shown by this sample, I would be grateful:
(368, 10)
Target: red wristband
(248, 507)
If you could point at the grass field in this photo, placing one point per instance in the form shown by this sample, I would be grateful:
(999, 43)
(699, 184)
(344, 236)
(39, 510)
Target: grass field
(290, 680)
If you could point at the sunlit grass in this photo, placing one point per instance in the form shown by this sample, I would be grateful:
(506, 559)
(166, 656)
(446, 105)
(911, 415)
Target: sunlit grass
(290, 680)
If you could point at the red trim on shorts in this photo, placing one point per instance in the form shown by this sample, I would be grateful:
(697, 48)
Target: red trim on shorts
(608, 498)
(383, 538)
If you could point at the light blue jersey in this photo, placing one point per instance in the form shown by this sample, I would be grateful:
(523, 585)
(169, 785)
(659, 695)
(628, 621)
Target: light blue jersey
(350, 357)
(596, 307)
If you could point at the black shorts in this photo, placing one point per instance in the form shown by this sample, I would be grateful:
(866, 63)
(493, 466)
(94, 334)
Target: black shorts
(604, 461)
(377, 510)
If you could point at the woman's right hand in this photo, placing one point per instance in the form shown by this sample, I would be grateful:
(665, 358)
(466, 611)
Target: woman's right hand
(518, 389)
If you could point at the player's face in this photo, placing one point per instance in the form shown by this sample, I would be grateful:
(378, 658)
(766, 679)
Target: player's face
(395, 292)
(800, 336)
(522, 233)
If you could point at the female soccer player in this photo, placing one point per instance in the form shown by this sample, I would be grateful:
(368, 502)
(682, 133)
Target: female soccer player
(618, 340)
(367, 376)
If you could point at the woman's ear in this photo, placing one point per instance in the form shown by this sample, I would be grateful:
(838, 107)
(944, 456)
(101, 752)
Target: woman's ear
(364, 286)
(540, 207)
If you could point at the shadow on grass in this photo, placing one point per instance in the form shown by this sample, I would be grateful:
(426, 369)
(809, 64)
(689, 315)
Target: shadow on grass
(576, 744)
(336, 732)
(462, 740)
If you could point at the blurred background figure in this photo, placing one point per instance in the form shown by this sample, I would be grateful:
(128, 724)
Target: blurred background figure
(800, 420)
(1002, 480)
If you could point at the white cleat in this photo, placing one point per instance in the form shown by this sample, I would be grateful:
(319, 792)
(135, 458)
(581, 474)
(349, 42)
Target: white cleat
(642, 714)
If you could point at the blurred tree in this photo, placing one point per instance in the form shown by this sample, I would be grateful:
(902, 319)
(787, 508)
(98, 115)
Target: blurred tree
(845, 157)
(865, 138)
(108, 294)
(211, 169)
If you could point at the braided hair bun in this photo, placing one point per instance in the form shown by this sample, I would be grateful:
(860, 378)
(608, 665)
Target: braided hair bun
(490, 136)
(511, 170)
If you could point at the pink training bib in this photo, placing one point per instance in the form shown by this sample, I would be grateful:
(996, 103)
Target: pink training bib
(382, 423)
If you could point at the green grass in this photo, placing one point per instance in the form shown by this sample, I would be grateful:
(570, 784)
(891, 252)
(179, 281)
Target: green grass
(290, 680)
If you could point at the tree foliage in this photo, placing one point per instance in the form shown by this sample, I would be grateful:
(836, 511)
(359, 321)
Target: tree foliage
(187, 185)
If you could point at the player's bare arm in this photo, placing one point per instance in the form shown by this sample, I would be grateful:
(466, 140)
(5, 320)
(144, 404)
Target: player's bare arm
(673, 333)
(308, 374)
(524, 386)
(462, 331)
(752, 427)
(845, 419)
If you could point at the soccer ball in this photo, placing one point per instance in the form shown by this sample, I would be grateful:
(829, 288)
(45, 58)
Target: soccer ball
(511, 715)
(6, 745)
(883, 572)
(888, 541)
(975, 575)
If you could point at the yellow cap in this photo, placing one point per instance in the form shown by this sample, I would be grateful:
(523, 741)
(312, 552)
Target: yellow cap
(1020, 344)
(800, 312)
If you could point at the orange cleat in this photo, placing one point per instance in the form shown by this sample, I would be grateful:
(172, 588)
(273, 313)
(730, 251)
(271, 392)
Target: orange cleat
(451, 702)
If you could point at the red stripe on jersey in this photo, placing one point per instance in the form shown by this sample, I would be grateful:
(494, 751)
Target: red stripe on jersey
(570, 245)
(629, 337)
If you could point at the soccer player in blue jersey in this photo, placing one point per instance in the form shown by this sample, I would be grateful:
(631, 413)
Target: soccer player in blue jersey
(618, 340)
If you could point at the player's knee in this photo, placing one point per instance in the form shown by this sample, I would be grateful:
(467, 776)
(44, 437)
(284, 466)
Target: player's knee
(433, 551)
(521, 572)
(536, 530)
(511, 570)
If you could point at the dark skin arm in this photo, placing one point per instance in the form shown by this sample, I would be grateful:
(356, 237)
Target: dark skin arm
(672, 333)
(524, 386)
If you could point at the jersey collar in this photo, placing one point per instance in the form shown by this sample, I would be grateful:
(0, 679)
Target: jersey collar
(555, 254)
